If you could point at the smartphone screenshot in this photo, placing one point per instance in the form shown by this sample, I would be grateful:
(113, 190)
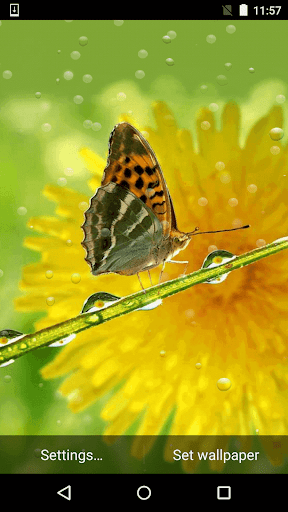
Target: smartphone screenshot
(143, 255)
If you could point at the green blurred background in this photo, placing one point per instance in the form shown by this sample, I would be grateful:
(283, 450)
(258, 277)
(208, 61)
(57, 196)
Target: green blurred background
(40, 137)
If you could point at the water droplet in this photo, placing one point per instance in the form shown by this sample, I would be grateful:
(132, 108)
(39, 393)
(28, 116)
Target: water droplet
(93, 319)
(62, 182)
(228, 65)
(280, 98)
(68, 75)
(121, 96)
(205, 125)
(203, 88)
(78, 99)
(172, 34)
(260, 242)
(68, 171)
(212, 248)
(7, 74)
(233, 201)
(166, 39)
(224, 177)
(230, 29)
(96, 127)
(76, 278)
(38, 95)
(50, 301)
(257, 431)
(142, 54)
(189, 313)
(275, 150)
(49, 274)
(213, 107)
(276, 133)
(211, 39)
(139, 73)
(87, 123)
(57, 80)
(118, 23)
(1, 273)
(220, 166)
(224, 384)
(46, 127)
(169, 62)
(222, 80)
(59, 422)
(202, 201)
(83, 206)
(162, 353)
(23, 346)
(7, 378)
(58, 51)
(198, 366)
(251, 70)
(252, 188)
(22, 210)
(69, 243)
(87, 79)
(105, 232)
(83, 40)
(75, 55)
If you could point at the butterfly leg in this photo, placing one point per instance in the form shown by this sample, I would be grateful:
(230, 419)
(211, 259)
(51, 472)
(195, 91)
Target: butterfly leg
(141, 283)
(184, 262)
(150, 277)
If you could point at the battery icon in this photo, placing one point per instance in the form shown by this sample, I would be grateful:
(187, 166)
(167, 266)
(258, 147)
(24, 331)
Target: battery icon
(243, 10)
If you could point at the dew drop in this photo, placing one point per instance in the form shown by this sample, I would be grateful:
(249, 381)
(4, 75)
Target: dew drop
(142, 54)
(139, 73)
(202, 201)
(170, 62)
(252, 188)
(172, 34)
(62, 182)
(166, 39)
(233, 201)
(118, 23)
(211, 39)
(68, 75)
(69, 243)
(275, 150)
(46, 127)
(38, 95)
(230, 29)
(198, 366)
(87, 79)
(96, 127)
(7, 74)
(222, 80)
(22, 210)
(75, 55)
(228, 65)
(50, 301)
(203, 88)
(83, 206)
(205, 125)
(83, 40)
(23, 346)
(162, 353)
(276, 133)
(78, 99)
(49, 274)
(121, 96)
(251, 70)
(280, 98)
(57, 81)
(87, 123)
(213, 107)
(220, 166)
(260, 242)
(7, 378)
(224, 384)
(225, 177)
(68, 171)
(76, 278)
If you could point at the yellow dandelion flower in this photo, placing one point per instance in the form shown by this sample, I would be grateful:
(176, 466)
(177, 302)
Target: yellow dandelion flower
(175, 357)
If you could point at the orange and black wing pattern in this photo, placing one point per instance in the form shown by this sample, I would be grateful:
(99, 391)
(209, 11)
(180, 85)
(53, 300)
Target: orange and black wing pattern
(133, 165)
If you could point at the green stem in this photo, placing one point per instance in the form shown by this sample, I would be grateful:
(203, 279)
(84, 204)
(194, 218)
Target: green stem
(132, 302)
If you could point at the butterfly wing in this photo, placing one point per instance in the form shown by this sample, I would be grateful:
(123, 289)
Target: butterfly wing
(121, 233)
(133, 165)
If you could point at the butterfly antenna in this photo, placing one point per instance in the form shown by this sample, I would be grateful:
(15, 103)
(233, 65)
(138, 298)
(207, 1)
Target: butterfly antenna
(196, 232)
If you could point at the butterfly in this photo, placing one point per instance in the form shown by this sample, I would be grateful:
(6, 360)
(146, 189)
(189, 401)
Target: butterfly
(130, 225)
